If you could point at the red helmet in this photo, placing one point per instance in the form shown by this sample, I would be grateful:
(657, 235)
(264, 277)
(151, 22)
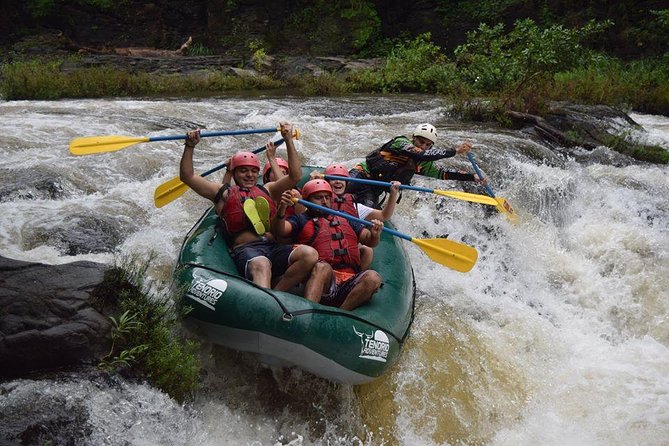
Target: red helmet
(313, 186)
(247, 159)
(336, 169)
(280, 161)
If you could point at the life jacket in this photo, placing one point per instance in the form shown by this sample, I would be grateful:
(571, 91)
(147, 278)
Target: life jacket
(386, 165)
(344, 203)
(232, 215)
(334, 239)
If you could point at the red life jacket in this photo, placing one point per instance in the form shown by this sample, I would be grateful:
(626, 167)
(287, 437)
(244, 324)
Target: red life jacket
(344, 203)
(233, 216)
(334, 239)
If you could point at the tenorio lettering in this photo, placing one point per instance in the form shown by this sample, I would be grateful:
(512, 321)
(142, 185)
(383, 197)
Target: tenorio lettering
(206, 290)
(375, 348)
(377, 345)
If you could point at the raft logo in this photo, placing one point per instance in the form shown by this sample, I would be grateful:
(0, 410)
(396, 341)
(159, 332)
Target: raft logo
(375, 346)
(207, 293)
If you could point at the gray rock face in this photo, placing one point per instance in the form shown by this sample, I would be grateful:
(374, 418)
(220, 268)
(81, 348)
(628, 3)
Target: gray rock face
(47, 318)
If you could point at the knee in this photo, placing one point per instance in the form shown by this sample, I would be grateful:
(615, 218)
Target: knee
(259, 265)
(373, 280)
(307, 254)
(322, 269)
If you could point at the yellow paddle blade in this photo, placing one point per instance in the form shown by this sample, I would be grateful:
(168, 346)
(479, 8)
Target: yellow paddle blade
(457, 256)
(505, 207)
(169, 191)
(466, 196)
(101, 144)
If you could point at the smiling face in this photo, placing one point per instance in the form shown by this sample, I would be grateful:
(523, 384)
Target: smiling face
(338, 186)
(246, 176)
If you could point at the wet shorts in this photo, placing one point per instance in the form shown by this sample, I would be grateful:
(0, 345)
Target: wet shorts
(340, 289)
(277, 253)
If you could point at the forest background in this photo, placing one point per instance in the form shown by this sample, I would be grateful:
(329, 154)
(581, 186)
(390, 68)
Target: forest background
(519, 54)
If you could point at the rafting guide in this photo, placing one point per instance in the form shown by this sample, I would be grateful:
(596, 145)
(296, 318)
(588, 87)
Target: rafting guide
(400, 159)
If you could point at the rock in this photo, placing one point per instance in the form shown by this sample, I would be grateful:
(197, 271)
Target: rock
(32, 184)
(47, 318)
(591, 127)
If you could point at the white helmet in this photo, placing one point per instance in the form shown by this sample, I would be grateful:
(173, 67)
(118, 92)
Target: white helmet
(426, 131)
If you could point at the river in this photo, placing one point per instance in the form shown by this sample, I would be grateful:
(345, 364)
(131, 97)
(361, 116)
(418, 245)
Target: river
(559, 335)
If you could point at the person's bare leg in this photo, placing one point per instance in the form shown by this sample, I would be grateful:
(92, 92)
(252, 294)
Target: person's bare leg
(302, 261)
(362, 291)
(319, 282)
(260, 271)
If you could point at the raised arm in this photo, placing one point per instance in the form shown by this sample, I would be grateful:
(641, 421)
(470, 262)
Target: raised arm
(199, 184)
(271, 159)
(281, 185)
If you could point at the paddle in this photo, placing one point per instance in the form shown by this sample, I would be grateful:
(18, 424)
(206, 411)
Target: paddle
(466, 196)
(502, 205)
(174, 188)
(101, 144)
(457, 256)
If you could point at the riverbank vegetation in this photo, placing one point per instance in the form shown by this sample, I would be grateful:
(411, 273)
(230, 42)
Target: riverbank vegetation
(521, 68)
(145, 331)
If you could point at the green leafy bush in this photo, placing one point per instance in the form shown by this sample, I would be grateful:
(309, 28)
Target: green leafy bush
(639, 85)
(144, 334)
(412, 66)
(492, 60)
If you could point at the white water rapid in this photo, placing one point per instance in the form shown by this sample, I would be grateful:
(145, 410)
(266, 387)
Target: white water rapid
(558, 336)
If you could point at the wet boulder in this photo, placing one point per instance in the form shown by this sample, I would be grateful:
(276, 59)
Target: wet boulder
(47, 316)
(78, 234)
(591, 127)
(32, 184)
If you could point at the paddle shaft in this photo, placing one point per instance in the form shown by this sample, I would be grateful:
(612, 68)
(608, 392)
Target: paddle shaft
(217, 133)
(277, 143)
(488, 189)
(309, 204)
(378, 183)
(458, 195)
(174, 188)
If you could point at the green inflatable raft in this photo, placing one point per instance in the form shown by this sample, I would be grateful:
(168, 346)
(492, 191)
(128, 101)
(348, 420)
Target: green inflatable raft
(284, 329)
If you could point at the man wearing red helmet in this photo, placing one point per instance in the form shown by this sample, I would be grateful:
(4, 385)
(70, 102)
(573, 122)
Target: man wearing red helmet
(345, 202)
(400, 159)
(338, 276)
(253, 248)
